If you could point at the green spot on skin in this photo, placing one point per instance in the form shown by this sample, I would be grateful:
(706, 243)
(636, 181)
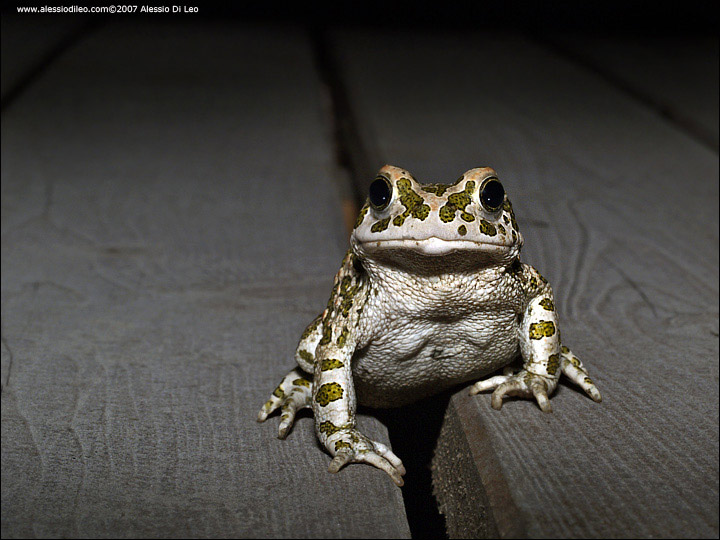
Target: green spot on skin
(553, 364)
(328, 428)
(347, 291)
(501, 229)
(547, 304)
(458, 202)
(414, 204)
(307, 356)
(342, 338)
(564, 349)
(327, 335)
(421, 212)
(327, 393)
(301, 381)
(487, 228)
(361, 215)
(542, 329)
(399, 220)
(330, 363)
(342, 444)
(381, 225)
(447, 213)
(462, 230)
(311, 328)
(331, 302)
(437, 189)
(278, 392)
(507, 206)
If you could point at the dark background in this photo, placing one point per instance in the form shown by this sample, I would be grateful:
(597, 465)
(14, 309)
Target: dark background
(602, 17)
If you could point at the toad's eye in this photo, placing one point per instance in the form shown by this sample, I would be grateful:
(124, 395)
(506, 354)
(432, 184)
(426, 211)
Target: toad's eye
(380, 193)
(492, 194)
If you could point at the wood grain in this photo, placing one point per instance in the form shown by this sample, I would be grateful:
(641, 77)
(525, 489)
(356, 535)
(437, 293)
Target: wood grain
(161, 253)
(677, 75)
(619, 209)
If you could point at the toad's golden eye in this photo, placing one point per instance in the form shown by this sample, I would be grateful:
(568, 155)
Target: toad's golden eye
(492, 194)
(380, 193)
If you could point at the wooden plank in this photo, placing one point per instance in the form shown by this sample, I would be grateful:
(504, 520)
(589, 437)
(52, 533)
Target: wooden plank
(169, 225)
(619, 210)
(676, 75)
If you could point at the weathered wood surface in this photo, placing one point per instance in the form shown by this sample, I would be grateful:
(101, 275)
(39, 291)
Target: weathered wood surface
(678, 75)
(169, 225)
(619, 209)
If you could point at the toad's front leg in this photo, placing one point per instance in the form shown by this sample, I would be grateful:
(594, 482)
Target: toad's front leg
(334, 405)
(543, 360)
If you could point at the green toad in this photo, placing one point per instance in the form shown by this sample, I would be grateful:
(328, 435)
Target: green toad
(431, 294)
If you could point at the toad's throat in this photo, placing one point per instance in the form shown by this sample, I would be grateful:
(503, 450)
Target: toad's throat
(433, 246)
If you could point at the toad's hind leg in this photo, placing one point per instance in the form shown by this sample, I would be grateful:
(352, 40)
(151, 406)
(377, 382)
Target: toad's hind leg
(291, 395)
(573, 368)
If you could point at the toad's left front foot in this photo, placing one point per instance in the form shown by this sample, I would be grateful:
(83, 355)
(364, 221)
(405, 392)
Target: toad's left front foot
(523, 384)
(528, 384)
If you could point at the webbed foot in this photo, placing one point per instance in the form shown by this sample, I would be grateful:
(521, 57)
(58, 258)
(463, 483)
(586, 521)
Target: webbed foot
(523, 384)
(351, 446)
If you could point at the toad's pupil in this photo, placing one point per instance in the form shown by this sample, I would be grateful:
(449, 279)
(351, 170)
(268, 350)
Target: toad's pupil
(492, 195)
(380, 193)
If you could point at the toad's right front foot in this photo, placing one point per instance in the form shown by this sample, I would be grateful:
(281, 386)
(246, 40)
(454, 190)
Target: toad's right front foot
(348, 445)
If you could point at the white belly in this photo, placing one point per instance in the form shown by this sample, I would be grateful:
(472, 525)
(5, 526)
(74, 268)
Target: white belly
(409, 359)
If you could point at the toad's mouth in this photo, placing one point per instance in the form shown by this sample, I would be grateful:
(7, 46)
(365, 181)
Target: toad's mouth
(433, 246)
